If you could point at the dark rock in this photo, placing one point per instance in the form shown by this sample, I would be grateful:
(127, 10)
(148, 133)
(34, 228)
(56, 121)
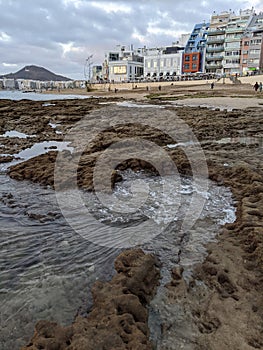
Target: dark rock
(118, 319)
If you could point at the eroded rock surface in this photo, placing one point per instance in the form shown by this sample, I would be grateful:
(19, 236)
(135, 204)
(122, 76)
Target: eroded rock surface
(118, 319)
(221, 307)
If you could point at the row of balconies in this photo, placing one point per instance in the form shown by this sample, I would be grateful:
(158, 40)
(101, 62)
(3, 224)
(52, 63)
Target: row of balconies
(214, 40)
(227, 40)
(231, 65)
(213, 66)
(234, 30)
(231, 57)
(214, 58)
(215, 32)
(215, 49)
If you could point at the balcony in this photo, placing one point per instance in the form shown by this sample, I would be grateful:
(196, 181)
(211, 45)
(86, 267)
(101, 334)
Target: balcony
(215, 49)
(230, 40)
(232, 57)
(213, 66)
(215, 32)
(232, 65)
(234, 30)
(214, 40)
(214, 58)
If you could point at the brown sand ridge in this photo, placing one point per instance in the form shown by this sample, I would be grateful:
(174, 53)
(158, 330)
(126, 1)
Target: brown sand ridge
(223, 304)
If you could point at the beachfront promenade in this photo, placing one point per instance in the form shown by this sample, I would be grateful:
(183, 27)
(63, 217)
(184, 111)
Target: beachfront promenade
(153, 85)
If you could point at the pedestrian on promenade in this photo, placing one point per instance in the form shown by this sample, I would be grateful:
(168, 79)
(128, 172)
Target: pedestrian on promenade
(212, 85)
(256, 86)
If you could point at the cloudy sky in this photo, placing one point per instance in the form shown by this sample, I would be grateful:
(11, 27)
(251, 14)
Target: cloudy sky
(61, 34)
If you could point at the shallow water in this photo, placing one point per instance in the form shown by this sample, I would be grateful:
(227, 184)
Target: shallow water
(14, 133)
(36, 150)
(47, 269)
(19, 95)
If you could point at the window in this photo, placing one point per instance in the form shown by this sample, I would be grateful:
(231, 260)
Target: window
(194, 57)
(155, 64)
(148, 64)
(168, 62)
(234, 61)
(186, 66)
(255, 41)
(161, 63)
(254, 51)
(194, 66)
(232, 53)
(254, 61)
(187, 58)
(113, 56)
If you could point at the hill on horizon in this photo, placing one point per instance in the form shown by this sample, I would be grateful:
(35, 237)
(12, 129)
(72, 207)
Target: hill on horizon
(35, 73)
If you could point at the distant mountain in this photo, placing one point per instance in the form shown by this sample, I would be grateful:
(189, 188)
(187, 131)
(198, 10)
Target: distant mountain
(35, 73)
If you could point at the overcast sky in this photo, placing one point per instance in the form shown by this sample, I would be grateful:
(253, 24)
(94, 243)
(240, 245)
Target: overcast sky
(61, 34)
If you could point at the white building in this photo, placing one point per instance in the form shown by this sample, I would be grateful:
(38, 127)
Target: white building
(123, 65)
(9, 83)
(163, 63)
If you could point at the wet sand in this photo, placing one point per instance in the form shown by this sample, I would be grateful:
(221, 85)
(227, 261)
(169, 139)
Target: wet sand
(221, 307)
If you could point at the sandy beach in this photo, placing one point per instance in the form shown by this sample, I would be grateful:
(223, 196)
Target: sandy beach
(219, 307)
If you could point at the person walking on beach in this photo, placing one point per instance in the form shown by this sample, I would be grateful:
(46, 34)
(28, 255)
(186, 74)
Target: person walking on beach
(256, 86)
(260, 87)
(212, 85)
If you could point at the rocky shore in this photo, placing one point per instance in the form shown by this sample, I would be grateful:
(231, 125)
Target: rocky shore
(118, 319)
(221, 306)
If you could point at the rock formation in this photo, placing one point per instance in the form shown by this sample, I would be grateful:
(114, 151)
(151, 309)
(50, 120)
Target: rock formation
(118, 319)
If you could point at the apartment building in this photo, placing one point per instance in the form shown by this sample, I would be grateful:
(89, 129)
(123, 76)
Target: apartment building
(227, 51)
(252, 46)
(123, 65)
(163, 63)
(8, 83)
(194, 53)
(230, 44)
(215, 43)
(97, 74)
(234, 33)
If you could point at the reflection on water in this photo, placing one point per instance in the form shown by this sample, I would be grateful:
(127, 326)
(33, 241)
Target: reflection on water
(47, 269)
(14, 133)
(36, 150)
(19, 95)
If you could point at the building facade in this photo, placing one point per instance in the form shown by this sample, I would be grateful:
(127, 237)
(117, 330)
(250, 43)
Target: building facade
(123, 65)
(193, 57)
(215, 43)
(97, 75)
(229, 43)
(163, 63)
(235, 30)
(252, 47)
